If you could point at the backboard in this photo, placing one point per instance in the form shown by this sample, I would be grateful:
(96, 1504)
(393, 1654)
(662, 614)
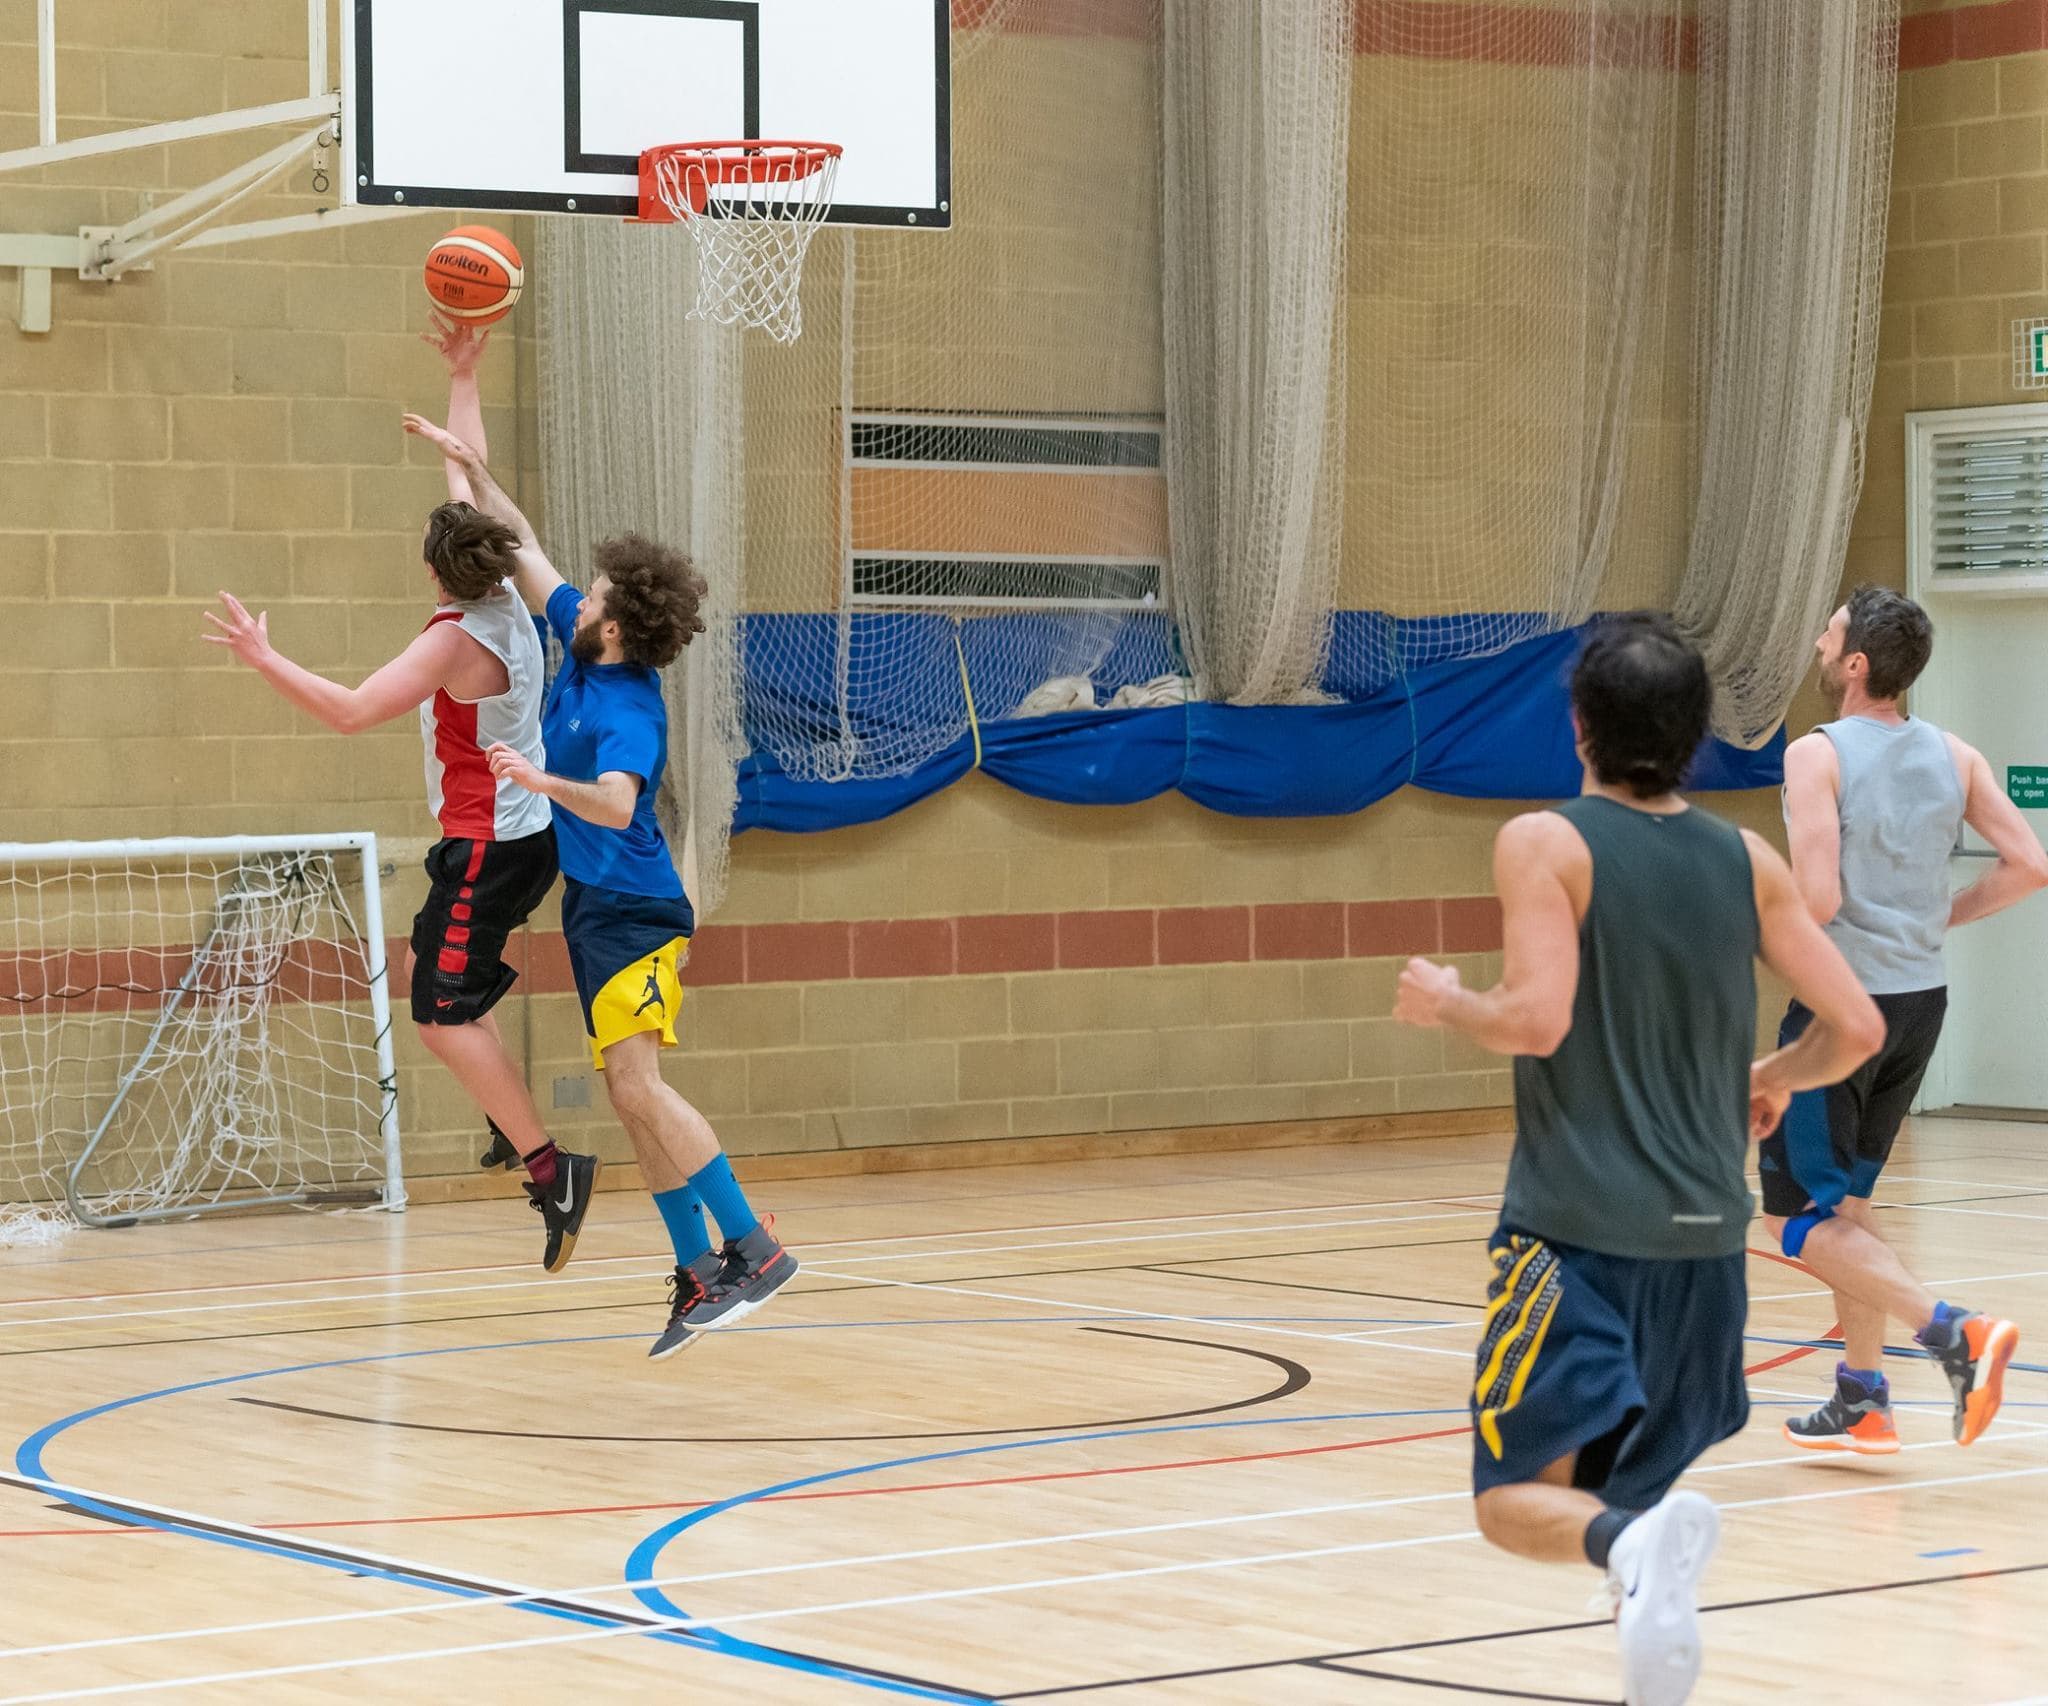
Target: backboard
(545, 105)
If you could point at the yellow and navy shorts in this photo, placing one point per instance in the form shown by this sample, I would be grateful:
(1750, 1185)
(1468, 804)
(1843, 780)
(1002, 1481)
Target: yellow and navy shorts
(1633, 1364)
(626, 952)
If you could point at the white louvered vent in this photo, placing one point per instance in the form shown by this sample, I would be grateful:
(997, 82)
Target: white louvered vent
(1977, 500)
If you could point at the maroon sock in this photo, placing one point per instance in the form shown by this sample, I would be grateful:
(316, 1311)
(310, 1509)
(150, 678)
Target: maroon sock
(540, 1166)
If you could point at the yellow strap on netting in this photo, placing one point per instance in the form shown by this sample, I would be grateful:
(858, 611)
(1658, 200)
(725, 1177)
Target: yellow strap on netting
(967, 691)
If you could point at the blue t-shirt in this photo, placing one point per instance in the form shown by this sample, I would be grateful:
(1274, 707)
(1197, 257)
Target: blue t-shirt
(604, 717)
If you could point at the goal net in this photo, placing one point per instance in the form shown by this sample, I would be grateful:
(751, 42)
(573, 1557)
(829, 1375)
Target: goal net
(189, 1025)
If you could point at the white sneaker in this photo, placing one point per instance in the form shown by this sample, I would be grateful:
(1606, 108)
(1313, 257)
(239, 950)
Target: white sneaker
(1653, 1574)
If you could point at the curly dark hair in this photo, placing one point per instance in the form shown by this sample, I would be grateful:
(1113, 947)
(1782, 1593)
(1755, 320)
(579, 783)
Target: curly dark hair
(1893, 633)
(468, 551)
(653, 596)
(1644, 703)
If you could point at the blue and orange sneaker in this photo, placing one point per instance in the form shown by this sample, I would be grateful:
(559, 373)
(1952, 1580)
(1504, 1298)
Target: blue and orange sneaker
(1857, 1417)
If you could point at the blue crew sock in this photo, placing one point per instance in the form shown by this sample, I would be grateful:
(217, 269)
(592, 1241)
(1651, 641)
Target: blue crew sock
(682, 1212)
(1939, 1333)
(724, 1200)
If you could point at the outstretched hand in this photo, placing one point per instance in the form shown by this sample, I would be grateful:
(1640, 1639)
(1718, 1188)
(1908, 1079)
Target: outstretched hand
(1766, 1106)
(458, 343)
(442, 440)
(248, 637)
(1420, 995)
(508, 764)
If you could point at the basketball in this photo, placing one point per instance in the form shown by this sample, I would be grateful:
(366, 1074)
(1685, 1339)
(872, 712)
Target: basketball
(475, 274)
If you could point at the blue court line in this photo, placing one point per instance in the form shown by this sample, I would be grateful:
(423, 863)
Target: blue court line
(1889, 1350)
(1951, 1552)
(640, 1563)
(28, 1459)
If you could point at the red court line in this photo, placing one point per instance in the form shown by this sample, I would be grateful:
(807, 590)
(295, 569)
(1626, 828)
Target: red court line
(792, 1498)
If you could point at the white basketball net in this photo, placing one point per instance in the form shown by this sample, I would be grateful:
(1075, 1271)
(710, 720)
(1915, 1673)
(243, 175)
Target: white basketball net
(752, 210)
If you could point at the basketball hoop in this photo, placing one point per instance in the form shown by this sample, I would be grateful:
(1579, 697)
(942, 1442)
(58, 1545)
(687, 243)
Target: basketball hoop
(752, 209)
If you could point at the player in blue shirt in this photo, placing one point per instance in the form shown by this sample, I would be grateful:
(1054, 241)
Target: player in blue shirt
(625, 917)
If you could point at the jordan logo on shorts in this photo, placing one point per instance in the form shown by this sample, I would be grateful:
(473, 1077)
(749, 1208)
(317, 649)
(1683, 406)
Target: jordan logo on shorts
(653, 997)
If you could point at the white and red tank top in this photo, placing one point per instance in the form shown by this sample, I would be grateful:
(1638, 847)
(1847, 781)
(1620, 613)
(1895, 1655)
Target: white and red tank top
(461, 791)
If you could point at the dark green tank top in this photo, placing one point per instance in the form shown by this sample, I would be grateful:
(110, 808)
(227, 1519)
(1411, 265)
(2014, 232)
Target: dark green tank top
(1633, 1137)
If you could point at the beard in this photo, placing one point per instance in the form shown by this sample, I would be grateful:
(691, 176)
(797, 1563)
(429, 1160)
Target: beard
(1832, 687)
(586, 645)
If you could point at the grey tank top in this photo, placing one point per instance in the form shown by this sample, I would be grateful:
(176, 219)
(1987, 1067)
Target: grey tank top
(1901, 808)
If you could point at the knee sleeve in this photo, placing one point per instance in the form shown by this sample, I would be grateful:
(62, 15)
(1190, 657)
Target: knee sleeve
(1799, 1226)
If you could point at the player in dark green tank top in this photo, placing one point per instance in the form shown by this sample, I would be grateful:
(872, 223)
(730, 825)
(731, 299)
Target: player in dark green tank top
(1611, 1352)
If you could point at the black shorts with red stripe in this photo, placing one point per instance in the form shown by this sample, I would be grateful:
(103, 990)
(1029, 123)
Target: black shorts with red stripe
(478, 893)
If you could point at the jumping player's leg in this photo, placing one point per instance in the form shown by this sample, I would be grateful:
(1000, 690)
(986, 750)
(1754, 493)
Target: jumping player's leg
(627, 964)
(478, 893)
(1600, 1379)
(1818, 1171)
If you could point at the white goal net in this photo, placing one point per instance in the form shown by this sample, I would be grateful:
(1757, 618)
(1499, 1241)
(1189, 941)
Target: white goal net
(191, 1025)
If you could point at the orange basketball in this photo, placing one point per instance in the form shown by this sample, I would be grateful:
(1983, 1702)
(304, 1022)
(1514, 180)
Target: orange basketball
(475, 274)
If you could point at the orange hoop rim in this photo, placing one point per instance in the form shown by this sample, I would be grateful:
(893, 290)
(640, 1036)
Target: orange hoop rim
(745, 160)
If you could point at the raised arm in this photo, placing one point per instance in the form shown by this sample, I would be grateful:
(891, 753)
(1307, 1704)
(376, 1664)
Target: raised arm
(461, 346)
(1543, 875)
(536, 576)
(1813, 823)
(403, 684)
(608, 802)
(2022, 865)
(1847, 1028)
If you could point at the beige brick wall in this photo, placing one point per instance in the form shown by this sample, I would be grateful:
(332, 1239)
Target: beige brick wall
(230, 419)
(1967, 254)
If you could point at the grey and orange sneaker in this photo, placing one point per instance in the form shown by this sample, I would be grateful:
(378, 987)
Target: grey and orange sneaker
(687, 1288)
(1855, 1418)
(752, 1270)
(1974, 1359)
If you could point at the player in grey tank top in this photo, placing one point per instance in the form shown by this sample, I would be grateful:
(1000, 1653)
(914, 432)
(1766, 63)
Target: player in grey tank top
(1611, 1354)
(1875, 802)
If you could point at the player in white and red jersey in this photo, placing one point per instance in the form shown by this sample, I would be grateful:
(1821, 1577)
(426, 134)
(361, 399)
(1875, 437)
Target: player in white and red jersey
(475, 674)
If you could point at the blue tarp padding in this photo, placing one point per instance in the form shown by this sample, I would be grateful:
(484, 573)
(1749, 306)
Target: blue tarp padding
(1484, 728)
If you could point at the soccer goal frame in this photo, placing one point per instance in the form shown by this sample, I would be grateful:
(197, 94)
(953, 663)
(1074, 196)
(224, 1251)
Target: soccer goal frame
(358, 848)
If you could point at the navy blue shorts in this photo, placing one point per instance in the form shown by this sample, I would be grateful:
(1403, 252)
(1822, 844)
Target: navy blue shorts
(626, 952)
(1634, 1364)
(1834, 1143)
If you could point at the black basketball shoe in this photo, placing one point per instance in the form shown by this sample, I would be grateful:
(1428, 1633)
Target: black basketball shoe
(753, 1268)
(501, 1153)
(688, 1286)
(563, 1205)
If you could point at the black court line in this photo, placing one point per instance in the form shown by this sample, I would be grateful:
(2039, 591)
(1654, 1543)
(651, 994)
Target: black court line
(1454, 1687)
(404, 1574)
(807, 1291)
(1338, 1290)
(1946, 1202)
(1293, 1378)
(1333, 1660)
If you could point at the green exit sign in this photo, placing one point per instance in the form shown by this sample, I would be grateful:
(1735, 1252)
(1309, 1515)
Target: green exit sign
(2028, 786)
(2037, 352)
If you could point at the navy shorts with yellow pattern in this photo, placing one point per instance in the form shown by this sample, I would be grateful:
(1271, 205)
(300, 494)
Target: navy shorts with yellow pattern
(1634, 1364)
(626, 952)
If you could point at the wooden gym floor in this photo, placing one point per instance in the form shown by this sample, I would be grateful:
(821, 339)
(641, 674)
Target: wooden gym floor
(1177, 1430)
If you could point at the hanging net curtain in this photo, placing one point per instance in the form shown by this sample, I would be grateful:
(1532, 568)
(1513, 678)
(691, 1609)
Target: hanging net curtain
(637, 404)
(1258, 123)
(1413, 329)
(1794, 145)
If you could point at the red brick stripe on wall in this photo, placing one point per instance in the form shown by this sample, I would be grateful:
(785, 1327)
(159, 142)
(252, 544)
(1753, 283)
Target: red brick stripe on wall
(975, 945)
(1991, 31)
